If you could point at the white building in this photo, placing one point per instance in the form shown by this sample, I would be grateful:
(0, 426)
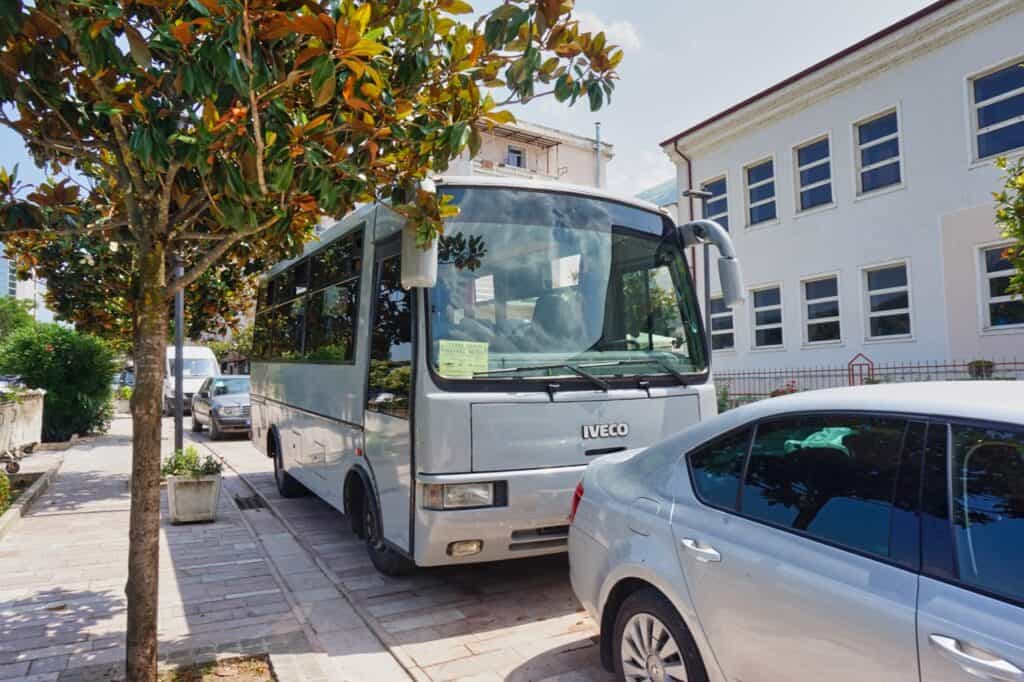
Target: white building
(535, 151)
(859, 195)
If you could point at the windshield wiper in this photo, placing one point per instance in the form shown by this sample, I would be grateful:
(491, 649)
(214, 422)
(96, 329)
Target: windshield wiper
(597, 381)
(669, 369)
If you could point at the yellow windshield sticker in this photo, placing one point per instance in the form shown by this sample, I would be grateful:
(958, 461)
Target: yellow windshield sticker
(461, 359)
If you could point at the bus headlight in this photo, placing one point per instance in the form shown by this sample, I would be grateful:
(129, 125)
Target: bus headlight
(440, 496)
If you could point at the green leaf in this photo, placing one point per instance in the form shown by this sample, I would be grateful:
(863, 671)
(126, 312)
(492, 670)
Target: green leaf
(596, 95)
(475, 142)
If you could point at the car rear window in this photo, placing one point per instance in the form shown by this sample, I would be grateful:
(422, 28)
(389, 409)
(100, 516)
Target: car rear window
(832, 477)
(988, 508)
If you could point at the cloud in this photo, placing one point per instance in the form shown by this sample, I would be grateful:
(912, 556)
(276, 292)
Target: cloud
(643, 169)
(622, 33)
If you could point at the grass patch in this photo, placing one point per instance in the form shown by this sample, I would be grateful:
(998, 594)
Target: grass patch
(248, 669)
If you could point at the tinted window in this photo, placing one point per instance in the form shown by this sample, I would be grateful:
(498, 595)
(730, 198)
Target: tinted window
(718, 467)
(832, 477)
(988, 508)
(390, 376)
(331, 323)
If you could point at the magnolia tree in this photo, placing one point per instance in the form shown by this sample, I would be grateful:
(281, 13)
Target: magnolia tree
(220, 131)
(1010, 217)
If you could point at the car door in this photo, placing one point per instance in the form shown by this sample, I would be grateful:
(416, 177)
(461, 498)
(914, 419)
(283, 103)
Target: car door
(387, 432)
(971, 603)
(798, 546)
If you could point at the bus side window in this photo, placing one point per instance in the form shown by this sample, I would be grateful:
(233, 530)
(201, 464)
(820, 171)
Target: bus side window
(390, 375)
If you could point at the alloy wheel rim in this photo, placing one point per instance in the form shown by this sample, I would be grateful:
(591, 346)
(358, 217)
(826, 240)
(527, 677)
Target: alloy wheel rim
(649, 652)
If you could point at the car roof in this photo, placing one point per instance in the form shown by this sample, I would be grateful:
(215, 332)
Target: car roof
(982, 400)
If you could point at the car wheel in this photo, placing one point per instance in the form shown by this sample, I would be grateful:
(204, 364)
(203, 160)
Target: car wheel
(196, 426)
(651, 642)
(386, 560)
(287, 486)
(214, 430)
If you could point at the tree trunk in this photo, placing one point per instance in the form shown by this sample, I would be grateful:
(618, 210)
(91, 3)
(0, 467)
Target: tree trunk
(150, 346)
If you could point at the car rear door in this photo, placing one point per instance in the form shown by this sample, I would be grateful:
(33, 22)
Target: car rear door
(801, 556)
(971, 603)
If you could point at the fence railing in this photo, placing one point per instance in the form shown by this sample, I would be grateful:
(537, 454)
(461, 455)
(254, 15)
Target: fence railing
(745, 386)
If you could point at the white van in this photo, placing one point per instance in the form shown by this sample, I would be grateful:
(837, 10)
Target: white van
(200, 362)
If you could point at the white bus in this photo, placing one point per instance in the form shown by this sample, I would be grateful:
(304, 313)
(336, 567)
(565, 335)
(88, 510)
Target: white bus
(451, 421)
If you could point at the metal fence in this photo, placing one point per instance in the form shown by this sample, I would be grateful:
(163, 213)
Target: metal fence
(745, 386)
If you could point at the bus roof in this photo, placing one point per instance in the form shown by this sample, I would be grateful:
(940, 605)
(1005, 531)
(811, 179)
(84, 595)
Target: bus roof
(344, 225)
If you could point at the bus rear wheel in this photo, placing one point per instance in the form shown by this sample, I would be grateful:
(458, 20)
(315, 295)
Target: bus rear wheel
(384, 559)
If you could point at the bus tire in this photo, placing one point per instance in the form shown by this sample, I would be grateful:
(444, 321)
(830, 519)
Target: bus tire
(287, 485)
(384, 559)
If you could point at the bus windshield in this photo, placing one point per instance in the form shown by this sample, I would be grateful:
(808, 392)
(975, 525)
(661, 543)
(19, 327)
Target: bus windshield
(533, 284)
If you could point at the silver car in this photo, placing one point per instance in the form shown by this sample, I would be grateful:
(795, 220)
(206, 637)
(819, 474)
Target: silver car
(869, 533)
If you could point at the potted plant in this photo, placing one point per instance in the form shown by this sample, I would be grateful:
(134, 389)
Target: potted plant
(193, 486)
(980, 369)
(122, 401)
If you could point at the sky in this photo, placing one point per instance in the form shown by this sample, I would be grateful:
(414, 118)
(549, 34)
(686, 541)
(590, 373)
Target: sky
(685, 60)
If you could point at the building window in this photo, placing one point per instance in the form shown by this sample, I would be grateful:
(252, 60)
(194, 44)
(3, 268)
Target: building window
(768, 317)
(998, 110)
(821, 309)
(716, 207)
(760, 192)
(1001, 309)
(888, 300)
(814, 173)
(722, 333)
(515, 157)
(878, 153)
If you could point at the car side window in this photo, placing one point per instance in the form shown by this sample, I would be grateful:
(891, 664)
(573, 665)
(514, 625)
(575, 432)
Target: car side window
(832, 477)
(717, 467)
(988, 508)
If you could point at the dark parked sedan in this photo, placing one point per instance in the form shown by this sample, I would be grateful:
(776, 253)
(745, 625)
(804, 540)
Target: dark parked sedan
(222, 403)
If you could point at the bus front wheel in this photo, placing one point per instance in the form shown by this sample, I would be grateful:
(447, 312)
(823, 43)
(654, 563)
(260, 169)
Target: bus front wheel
(386, 560)
(287, 486)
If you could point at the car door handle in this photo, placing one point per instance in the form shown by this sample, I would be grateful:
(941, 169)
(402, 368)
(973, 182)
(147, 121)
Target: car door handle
(704, 553)
(991, 667)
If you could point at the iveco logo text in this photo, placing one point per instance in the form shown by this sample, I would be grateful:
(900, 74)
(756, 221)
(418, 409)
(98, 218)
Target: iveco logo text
(605, 431)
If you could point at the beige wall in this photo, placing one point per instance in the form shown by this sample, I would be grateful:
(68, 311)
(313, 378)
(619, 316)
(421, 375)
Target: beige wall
(568, 162)
(963, 233)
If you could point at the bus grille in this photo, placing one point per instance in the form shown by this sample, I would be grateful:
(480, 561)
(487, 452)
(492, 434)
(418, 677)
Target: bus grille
(546, 537)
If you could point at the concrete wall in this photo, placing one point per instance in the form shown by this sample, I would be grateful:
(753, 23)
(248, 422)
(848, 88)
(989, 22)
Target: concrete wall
(940, 178)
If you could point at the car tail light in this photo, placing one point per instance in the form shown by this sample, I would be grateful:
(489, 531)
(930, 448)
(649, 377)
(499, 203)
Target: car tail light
(577, 495)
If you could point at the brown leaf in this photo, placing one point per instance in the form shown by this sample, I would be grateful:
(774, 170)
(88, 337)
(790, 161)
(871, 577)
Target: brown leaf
(138, 47)
(308, 53)
(348, 36)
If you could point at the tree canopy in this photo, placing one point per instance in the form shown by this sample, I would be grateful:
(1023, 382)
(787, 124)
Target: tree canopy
(1010, 217)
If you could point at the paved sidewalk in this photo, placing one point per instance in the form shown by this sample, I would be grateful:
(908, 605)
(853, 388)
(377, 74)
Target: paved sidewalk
(237, 586)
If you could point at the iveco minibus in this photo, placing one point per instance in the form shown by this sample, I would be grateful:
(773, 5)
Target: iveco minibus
(447, 399)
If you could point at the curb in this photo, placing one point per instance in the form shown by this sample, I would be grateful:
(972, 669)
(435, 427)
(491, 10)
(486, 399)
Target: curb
(12, 517)
(375, 627)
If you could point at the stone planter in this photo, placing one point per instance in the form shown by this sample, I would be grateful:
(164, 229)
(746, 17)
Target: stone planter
(122, 406)
(193, 498)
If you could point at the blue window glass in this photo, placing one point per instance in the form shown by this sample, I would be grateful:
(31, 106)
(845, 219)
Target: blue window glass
(767, 297)
(721, 341)
(819, 196)
(717, 468)
(816, 151)
(768, 317)
(716, 207)
(991, 114)
(883, 126)
(882, 176)
(887, 278)
(999, 110)
(721, 323)
(1001, 140)
(762, 192)
(1002, 81)
(815, 174)
(821, 288)
(760, 172)
(718, 306)
(879, 152)
(717, 188)
(762, 213)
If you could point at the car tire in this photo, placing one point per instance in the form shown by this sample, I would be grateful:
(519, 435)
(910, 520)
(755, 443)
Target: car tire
(384, 559)
(675, 652)
(287, 485)
(196, 426)
(215, 433)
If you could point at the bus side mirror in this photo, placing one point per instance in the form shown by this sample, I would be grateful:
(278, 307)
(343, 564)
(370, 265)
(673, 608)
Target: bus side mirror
(731, 279)
(419, 266)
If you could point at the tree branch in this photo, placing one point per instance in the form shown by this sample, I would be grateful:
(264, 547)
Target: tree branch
(257, 126)
(164, 213)
(213, 255)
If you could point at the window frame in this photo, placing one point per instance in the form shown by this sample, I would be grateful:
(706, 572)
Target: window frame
(804, 302)
(798, 188)
(866, 302)
(985, 299)
(508, 156)
(857, 147)
(755, 327)
(975, 158)
(704, 202)
(747, 204)
(731, 314)
(755, 424)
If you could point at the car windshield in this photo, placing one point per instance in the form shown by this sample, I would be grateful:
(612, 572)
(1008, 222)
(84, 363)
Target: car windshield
(194, 367)
(536, 284)
(228, 385)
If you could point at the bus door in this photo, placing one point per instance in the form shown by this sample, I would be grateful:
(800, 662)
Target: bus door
(389, 394)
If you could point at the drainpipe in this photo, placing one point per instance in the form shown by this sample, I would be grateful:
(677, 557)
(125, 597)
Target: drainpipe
(597, 155)
(693, 254)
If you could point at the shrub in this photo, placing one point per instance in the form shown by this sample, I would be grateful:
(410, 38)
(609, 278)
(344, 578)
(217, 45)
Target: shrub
(124, 393)
(187, 463)
(5, 492)
(74, 369)
(723, 399)
(14, 314)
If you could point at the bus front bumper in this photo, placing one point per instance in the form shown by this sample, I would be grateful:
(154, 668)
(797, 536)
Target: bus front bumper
(533, 521)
